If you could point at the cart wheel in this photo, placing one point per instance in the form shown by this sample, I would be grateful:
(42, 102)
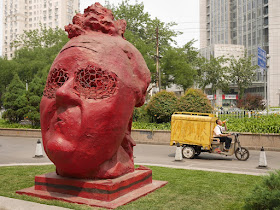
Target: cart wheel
(242, 153)
(188, 152)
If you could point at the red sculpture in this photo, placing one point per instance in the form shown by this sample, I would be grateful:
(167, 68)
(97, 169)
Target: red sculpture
(93, 86)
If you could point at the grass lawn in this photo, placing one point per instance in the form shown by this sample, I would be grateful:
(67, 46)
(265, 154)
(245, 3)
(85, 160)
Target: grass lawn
(186, 189)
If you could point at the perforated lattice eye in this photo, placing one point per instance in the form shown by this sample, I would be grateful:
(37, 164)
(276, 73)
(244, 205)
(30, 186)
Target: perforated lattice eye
(56, 79)
(94, 83)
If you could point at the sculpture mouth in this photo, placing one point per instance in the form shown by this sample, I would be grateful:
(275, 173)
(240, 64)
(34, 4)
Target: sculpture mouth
(59, 147)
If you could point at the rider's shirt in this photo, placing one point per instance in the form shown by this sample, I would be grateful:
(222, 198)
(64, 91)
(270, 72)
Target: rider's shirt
(218, 130)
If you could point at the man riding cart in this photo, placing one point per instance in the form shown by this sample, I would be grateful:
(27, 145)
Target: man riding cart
(194, 131)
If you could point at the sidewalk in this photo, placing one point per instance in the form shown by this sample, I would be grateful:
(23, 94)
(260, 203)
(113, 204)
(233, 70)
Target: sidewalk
(15, 204)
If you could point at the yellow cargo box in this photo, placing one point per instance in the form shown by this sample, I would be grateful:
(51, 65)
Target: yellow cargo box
(192, 128)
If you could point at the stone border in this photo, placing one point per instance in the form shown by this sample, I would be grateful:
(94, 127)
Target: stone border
(253, 141)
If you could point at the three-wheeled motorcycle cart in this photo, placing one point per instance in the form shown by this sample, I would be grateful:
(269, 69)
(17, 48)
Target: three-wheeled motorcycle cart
(194, 132)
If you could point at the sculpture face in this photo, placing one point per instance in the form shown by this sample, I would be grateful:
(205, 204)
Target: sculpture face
(81, 126)
(86, 111)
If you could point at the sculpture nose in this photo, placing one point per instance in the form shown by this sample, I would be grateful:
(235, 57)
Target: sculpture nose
(65, 94)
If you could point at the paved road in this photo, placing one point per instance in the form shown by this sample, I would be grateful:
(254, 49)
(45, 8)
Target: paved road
(18, 150)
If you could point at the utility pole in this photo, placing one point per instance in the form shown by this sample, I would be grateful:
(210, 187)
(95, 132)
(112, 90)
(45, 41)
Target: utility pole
(157, 64)
(266, 83)
(265, 76)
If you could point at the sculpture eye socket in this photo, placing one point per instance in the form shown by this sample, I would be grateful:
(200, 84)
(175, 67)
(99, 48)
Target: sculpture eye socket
(56, 79)
(95, 83)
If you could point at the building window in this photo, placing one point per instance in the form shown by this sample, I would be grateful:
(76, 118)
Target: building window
(265, 11)
(265, 21)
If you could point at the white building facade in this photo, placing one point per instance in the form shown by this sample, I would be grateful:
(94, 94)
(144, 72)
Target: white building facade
(251, 23)
(20, 15)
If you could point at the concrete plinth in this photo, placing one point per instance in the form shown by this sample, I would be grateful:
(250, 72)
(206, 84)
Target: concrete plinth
(109, 193)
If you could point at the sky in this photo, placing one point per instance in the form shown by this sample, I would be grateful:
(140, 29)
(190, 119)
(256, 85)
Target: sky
(183, 12)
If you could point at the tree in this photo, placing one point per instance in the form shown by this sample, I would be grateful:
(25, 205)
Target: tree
(251, 102)
(41, 38)
(141, 31)
(30, 64)
(212, 72)
(7, 70)
(34, 95)
(15, 101)
(242, 72)
(38, 50)
(179, 66)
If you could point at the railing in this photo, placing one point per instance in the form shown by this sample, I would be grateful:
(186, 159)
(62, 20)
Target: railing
(243, 113)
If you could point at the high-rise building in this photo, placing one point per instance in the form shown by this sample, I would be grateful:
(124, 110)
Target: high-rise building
(20, 15)
(253, 24)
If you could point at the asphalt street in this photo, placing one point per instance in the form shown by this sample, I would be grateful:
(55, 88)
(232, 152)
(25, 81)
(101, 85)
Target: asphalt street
(21, 151)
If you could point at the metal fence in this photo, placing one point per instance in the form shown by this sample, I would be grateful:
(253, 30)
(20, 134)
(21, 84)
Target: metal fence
(239, 113)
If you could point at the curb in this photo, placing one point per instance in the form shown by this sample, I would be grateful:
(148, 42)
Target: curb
(159, 165)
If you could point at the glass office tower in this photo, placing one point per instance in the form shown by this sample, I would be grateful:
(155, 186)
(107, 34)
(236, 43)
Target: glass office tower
(251, 23)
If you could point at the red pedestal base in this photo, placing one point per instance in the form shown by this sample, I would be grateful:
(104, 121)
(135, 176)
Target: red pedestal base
(108, 193)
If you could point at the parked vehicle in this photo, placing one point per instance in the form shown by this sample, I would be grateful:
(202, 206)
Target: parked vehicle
(194, 132)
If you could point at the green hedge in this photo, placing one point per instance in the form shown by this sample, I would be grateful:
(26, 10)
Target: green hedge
(259, 124)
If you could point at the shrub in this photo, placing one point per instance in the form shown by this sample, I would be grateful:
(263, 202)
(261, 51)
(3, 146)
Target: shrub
(140, 114)
(195, 100)
(162, 105)
(265, 195)
(251, 102)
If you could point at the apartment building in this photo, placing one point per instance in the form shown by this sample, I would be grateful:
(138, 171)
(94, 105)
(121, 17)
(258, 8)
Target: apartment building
(253, 24)
(20, 15)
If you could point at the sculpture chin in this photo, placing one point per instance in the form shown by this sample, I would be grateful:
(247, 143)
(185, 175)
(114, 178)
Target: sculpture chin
(73, 161)
(121, 163)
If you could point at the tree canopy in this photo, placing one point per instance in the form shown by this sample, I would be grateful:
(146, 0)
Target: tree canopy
(179, 66)
(242, 72)
(141, 32)
(14, 100)
(212, 72)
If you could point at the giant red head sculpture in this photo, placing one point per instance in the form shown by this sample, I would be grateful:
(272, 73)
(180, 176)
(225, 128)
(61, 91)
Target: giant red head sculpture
(92, 88)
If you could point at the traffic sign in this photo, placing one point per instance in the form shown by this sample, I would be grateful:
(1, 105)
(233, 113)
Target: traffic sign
(261, 58)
